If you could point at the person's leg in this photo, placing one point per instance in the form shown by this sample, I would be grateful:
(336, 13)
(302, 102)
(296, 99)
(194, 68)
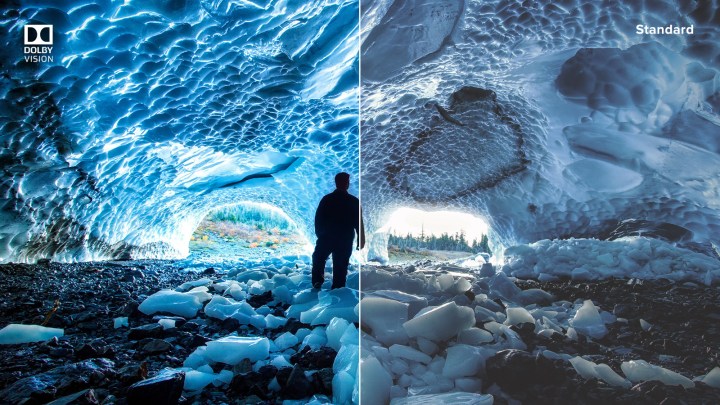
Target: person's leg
(341, 259)
(319, 257)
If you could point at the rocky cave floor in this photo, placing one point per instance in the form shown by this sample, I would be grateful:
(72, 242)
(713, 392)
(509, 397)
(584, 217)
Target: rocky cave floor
(94, 362)
(684, 336)
(97, 363)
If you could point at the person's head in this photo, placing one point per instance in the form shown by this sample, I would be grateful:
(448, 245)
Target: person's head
(342, 181)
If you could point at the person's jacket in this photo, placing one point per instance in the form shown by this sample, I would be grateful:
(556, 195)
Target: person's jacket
(338, 216)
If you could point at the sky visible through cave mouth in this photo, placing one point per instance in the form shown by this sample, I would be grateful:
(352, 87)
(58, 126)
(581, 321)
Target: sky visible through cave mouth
(413, 221)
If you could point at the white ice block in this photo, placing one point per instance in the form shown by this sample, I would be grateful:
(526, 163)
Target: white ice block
(385, 317)
(440, 323)
(588, 321)
(640, 370)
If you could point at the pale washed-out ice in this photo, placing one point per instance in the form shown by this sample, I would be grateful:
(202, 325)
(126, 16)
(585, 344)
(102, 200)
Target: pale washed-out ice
(440, 323)
(587, 320)
(640, 370)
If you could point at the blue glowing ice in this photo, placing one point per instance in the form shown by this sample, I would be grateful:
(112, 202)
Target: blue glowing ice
(151, 114)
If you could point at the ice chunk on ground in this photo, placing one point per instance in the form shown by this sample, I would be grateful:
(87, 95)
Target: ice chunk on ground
(502, 287)
(286, 340)
(441, 323)
(340, 303)
(201, 293)
(407, 352)
(173, 302)
(427, 346)
(712, 378)
(376, 382)
(518, 315)
(280, 362)
(448, 398)
(513, 339)
(167, 323)
(223, 308)
(588, 321)
(18, 333)
(640, 370)
(272, 321)
(233, 349)
(415, 302)
(197, 358)
(474, 336)
(483, 314)
(314, 340)
(197, 380)
(189, 285)
(385, 317)
(609, 375)
(343, 386)
(463, 361)
(350, 336)
(585, 368)
(120, 322)
(335, 331)
(345, 367)
(282, 294)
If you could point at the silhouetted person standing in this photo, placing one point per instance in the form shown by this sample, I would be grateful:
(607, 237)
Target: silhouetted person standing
(337, 220)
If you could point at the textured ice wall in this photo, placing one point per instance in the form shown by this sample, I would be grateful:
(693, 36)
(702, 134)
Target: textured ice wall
(547, 118)
(155, 112)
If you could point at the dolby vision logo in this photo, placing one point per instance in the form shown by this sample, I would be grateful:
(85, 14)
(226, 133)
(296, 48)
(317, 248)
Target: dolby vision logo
(36, 34)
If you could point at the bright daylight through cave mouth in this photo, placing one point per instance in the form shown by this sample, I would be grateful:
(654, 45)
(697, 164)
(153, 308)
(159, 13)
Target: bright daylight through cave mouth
(246, 230)
(415, 234)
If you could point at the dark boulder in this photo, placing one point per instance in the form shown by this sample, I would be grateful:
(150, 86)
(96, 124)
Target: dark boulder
(151, 330)
(163, 389)
(298, 386)
(515, 370)
(314, 359)
(58, 381)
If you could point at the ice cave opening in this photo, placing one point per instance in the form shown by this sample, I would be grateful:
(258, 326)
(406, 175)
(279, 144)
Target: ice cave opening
(246, 230)
(415, 234)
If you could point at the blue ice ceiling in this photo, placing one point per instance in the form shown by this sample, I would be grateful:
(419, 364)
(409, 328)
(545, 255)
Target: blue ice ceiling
(547, 118)
(155, 112)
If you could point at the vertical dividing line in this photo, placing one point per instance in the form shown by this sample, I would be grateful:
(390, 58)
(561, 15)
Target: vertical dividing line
(360, 264)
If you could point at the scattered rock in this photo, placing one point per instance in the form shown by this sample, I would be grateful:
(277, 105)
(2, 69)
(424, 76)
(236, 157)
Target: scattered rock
(261, 299)
(84, 397)
(514, 370)
(151, 330)
(314, 359)
(163, 389)
(58, 381)
(155, 346)
(297, 386)
(133, 373)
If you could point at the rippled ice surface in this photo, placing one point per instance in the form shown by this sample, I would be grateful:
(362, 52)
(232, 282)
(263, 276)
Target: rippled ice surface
(587, 123)
(153, 113)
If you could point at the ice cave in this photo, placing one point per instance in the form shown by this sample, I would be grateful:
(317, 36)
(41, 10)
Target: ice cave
(153, 115)
(124, 125)
(591, 150)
